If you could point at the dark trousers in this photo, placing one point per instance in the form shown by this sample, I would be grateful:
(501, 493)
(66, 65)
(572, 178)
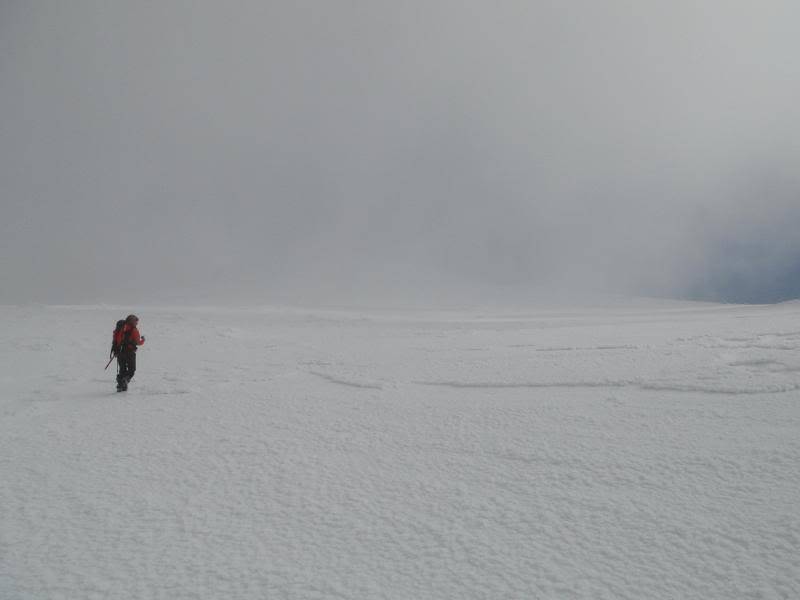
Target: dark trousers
(127, 366)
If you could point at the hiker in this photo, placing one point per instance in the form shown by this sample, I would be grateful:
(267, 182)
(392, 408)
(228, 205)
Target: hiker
(126, 342)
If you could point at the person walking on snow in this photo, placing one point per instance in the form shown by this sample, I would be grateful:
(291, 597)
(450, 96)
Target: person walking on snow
(127, 341)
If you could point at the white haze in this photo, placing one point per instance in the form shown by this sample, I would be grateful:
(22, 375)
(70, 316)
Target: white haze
(325, 150)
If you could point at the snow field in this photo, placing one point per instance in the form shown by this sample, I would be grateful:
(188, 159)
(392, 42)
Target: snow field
(640, 451)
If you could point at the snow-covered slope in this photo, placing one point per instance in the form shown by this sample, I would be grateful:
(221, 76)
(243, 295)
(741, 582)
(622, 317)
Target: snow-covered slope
(645, 451)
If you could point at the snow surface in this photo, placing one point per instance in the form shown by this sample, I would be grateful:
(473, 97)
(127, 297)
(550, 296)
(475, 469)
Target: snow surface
(650, 450)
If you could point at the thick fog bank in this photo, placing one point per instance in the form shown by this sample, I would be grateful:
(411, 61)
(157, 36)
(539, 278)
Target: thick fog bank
(190, 150)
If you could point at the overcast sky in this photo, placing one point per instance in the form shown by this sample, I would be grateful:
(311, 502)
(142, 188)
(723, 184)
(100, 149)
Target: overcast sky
(176, 150)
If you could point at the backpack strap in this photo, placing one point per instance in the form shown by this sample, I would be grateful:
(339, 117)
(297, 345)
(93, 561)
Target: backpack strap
(126, 337)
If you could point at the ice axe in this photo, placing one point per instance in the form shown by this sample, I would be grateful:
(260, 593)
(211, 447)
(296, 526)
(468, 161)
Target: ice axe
(109, 362)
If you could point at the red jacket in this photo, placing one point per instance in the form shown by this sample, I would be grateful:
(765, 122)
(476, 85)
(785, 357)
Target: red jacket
(131, 334)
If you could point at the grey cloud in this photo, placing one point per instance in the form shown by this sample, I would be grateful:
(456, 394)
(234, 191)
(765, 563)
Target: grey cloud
(191, 149)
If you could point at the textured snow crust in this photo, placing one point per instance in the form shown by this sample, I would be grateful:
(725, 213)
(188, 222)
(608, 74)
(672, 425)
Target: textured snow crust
(644, 451)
